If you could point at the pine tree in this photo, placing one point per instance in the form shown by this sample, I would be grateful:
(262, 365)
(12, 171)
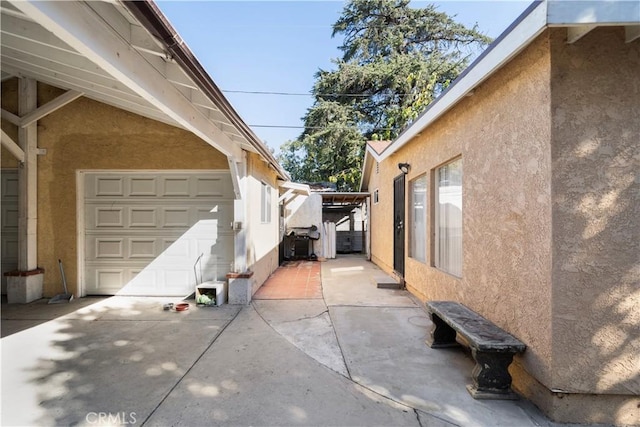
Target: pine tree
(396, 60)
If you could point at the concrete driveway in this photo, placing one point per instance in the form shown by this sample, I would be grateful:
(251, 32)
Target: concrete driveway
(355, 357)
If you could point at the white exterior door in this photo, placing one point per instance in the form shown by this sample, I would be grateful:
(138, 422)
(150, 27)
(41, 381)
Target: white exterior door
(144, 231)
(9, 228)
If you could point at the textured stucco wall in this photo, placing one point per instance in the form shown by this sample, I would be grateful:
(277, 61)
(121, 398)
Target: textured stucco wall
(263, 239)
(502, 134)
(596, 213)
(381, 215)
(551, 218)
(89, 135)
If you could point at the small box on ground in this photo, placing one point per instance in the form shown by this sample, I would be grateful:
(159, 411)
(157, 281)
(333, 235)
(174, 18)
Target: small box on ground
(211, 293)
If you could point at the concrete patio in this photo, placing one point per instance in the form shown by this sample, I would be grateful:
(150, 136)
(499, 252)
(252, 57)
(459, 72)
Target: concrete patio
(355, 357)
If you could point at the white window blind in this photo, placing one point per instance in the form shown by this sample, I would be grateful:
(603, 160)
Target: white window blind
(265, 216)
(448, 218)
(418, 234)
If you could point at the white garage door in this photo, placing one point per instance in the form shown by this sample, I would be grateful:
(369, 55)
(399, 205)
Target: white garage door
(9, 231)
(144, 231)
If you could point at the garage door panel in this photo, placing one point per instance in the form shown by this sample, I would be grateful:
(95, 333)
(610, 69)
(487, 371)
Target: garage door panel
(9, 186)
(109, 217)
(143, 187)
(146, 230)
(8, 224)
(111, 248)
(175, 217)
(175, 187)
(9, 218)
(106, 186)
(143, 217)
(143, 248)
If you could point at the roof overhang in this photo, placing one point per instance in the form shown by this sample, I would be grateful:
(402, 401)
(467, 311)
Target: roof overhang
(342, 200)
(293, 190)
(124, 54)
(579, 17)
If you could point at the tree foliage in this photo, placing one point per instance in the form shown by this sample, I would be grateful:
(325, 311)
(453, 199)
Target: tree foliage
(396, 60)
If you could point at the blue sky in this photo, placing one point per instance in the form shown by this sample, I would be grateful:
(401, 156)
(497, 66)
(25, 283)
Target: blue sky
(277, 46)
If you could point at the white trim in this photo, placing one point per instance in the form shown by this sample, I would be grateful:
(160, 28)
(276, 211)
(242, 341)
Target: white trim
(50, 107)
(600, 12)
(12, 146)
(80, 232)
(495, 57)
(77, 25)
(576, 33)
(539, 16)
(10, 117)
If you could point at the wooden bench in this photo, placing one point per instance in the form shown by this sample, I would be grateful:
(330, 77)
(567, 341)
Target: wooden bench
(492, 348)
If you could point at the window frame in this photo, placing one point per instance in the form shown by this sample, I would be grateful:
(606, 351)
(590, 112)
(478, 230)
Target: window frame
(418, 235)
(445, 261)
(265, 203)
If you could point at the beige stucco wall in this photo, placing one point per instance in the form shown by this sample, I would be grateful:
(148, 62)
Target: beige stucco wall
(263, 238)
(596, 213)
(89, 135)
(551, 225)
(502, 134)
(381, 213)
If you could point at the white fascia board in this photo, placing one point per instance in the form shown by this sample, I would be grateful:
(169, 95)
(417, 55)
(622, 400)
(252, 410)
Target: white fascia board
(563, 13)
(77, 25)
(508, 45)
(297, 187)
(369, 157)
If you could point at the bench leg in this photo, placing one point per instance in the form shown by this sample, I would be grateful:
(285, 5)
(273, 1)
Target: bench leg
(442, 335)
(491, 378)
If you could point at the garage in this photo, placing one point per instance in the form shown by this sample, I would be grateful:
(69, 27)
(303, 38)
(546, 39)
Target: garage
(150, 232)
(9, 232)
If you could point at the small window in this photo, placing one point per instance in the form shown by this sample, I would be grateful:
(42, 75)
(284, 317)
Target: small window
(448, 218)
(418, 218)
(265, 204)
(375, 196)
(377, 167)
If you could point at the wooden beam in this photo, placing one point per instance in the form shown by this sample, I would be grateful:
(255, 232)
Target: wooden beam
(12, 146)
(10, 117)
(50, 107)
(632, 32)
(4, 76)
(28, 180)
(77, 25)
(285, 196)
(576, 33)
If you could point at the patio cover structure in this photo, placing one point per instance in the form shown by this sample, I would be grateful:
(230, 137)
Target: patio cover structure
(124, 54)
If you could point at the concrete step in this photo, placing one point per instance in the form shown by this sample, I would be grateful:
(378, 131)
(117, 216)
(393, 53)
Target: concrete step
(384, 281)
(389, 285)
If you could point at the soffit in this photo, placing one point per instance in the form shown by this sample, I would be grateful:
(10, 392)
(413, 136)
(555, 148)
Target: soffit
(29, 49)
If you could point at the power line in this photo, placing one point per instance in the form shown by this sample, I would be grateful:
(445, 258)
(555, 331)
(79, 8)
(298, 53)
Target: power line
(311, 127)
(255, 92)
(356, 95)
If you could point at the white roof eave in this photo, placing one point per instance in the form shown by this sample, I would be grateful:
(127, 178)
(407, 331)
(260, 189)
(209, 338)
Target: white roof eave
(533, 21)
